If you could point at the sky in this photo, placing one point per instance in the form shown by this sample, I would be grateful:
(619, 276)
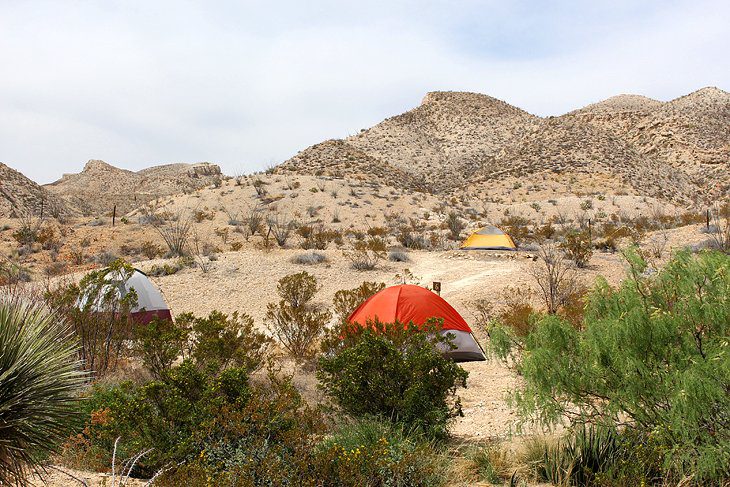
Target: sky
(247, 84)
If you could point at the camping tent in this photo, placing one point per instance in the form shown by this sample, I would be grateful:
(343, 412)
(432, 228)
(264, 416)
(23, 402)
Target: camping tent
(150, 302)
(489, 238)
(408, 303)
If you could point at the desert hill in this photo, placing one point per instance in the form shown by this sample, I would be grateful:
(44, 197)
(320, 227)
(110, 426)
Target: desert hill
(690, 134)
(19, 195)
(677, 150)
(100, 186)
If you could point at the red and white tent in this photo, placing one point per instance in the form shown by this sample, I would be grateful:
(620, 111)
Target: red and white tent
(408, 303)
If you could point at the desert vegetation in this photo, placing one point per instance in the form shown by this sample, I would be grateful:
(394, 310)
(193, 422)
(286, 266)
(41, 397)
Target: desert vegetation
(260, 380)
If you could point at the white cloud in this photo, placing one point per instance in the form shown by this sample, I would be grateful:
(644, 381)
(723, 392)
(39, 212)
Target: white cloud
(247, 84)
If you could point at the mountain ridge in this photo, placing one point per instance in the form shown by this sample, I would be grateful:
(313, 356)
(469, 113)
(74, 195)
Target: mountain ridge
(670, 150)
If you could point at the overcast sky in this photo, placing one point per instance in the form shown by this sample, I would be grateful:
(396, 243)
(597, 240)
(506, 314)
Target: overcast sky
(248, 84)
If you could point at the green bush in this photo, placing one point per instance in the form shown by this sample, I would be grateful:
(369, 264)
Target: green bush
(652, 354)
(159, 343)
(204, 417)
(373, 453)
(221, 341)
(39, 381)
(394, 371)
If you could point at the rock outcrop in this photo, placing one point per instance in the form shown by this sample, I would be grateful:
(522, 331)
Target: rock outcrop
(100, 186)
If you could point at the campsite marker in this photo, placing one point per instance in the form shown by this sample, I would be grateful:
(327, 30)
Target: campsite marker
(437, 287)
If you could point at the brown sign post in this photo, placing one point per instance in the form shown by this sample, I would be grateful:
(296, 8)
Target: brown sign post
(437, 287)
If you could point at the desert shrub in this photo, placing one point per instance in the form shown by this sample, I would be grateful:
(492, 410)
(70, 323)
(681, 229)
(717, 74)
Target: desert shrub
(253, 221)
(295, 321)
(175, 233)
(105, 258)
(398, 256)
(366, 254)
(378, 231)
(455, 225)
(594, 455)
(490, 464)
(410, 238)
(346, 300)
(545, 232)
(280, 227)
(13, 272)
(651, 354)
(310, 258)
(223, 233)
(371, 452)
(516, 227)
(409, 380)
(98, 315)
(220, 341)
(577, 248)
(317, 236)
(39, 381)
(201, 215)
(555, 279)
(29, 229)
(220, 427)
(517, 311)
(159, 343)
(720, 228)
(172, 268)
(150, 250)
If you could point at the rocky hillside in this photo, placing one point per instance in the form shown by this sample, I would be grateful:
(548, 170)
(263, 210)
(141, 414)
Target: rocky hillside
(19, 196)
(690, 134)
(677, 151)
(100, 186)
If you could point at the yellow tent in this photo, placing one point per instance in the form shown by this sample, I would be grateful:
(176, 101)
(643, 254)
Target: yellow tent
(489, 238)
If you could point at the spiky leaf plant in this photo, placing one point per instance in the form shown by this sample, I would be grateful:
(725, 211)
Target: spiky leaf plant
(39, 381)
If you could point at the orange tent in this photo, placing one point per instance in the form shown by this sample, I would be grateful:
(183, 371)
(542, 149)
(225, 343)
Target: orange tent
(408, 303)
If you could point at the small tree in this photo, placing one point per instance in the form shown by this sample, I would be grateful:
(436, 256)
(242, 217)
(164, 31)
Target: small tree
(394, 371)
(295, 321)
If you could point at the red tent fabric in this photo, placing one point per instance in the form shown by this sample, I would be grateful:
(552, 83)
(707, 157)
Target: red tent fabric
(406, 303)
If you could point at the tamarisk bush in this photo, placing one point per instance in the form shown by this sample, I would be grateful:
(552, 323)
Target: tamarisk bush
(652, 355)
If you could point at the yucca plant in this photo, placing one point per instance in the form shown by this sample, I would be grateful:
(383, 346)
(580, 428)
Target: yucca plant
(39, 381)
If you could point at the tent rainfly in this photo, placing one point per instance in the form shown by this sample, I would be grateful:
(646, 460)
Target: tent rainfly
(150, 303)
(408, 303)
(489, 238)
